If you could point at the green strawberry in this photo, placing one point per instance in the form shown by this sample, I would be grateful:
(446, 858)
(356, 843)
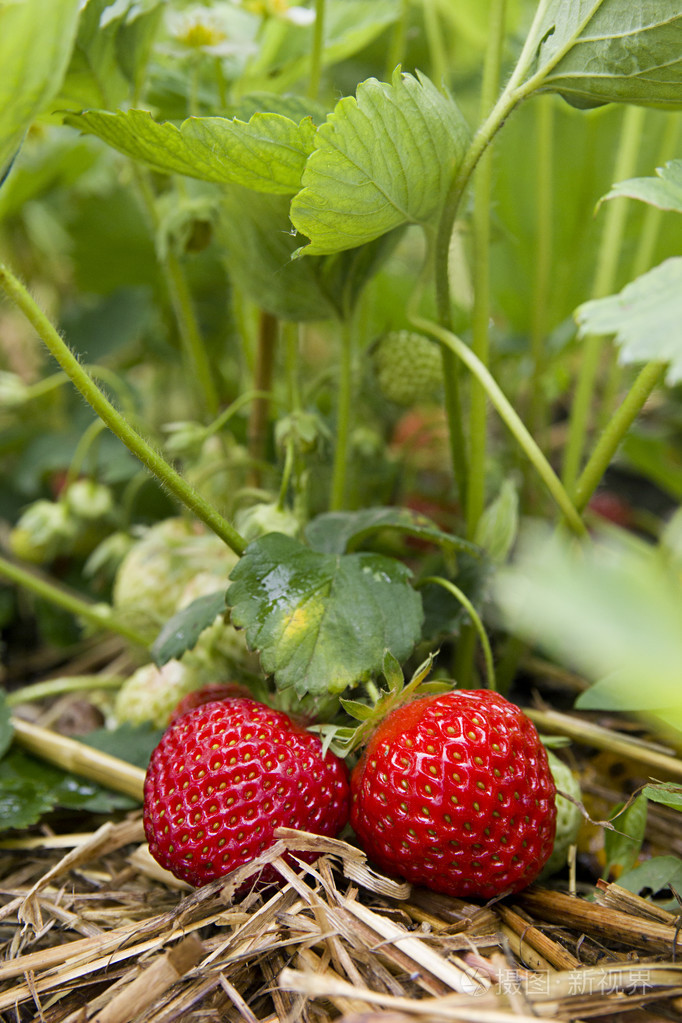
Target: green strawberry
(407, 367)
(568, 815)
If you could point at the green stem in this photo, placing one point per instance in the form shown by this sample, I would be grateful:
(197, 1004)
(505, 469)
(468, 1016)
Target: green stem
(644, 256)
(434, 41)
(237, 405)
(617, 427)
(396, 50)
(511, 419)
(604, 282)
(84, 445)
(190, 334)
(475, 618)
(260, 410)
(317, 50)
(99, 615)
(183, 308)
(150, 458)
(343, 416)
(58, 686)
(537, 410)
(481, 276)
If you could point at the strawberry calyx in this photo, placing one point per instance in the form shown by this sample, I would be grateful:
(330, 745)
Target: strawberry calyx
(343, 740)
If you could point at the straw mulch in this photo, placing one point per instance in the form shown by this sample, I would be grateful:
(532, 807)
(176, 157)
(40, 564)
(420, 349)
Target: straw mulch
(92, 930)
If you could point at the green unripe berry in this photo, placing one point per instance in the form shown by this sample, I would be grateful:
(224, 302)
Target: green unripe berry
(408, 367)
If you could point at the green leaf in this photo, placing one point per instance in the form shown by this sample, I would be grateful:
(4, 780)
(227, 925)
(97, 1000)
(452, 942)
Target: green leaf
(664, 191)
(132, 743)
(36, 38)
(337, 532)
(604, 51)
(182, 631)
(622, 846)
(284, 54)
(654, 875)
(266, 153)
(499, 524)
(382, 159)
(322, 622)
(665, 793)
(610, 609)
(256, 232)
(30, 788)
(393, 673)
(95, 77)
(645, 318)
(6, 730)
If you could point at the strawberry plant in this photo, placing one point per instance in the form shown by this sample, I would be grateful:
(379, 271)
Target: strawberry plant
(326, 330)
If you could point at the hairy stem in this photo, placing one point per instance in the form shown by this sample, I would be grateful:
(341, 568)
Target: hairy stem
(150, 458)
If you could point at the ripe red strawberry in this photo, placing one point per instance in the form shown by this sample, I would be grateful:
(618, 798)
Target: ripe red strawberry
(228, 773)
(454, 792)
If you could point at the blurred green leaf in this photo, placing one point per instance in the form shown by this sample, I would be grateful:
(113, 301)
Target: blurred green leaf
(499, 524)
(383, 158)
(654, 875)
(36, 39)
(132, 743)
(322, 622)
(182, 631)
(622, 846)
(266, 154)
(664, 191)
(645, 318)
(605, 51)
(611, 610)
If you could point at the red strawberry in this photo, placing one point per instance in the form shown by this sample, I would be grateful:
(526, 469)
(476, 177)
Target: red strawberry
(208, 694)
(224, 776)
(454, 792)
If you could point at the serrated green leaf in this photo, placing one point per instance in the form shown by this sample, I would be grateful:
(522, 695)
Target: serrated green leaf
(663, 191)
(645, 318)
(266, 153)
(36, 39)
(383, 158)
(337, 532)
(622, 846)
(182, 631)
(322, 622)
(665, 793)
(6, 730)
(604, 51)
